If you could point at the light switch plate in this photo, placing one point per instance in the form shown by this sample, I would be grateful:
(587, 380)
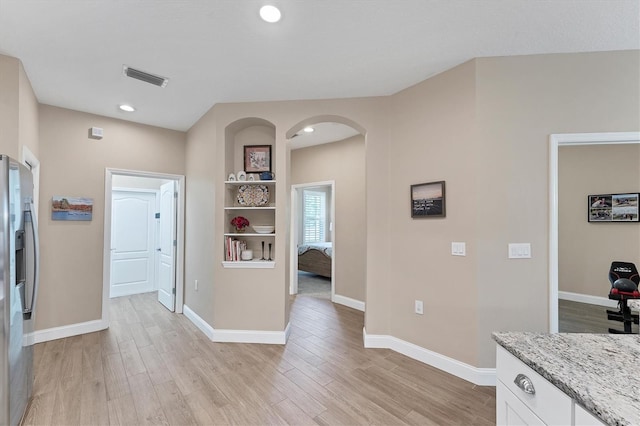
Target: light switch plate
(458, 249)
(519, 250)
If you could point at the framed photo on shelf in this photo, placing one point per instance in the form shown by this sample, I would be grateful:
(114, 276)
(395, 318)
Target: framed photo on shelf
(613, 207)
(257, 158)
(428, 200)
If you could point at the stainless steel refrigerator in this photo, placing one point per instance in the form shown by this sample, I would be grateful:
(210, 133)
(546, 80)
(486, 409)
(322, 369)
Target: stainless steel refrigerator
(18, 288)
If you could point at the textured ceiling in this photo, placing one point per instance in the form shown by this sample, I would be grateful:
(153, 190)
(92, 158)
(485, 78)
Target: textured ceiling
(220, 51)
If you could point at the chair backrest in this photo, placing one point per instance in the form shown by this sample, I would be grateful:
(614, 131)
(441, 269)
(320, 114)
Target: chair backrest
(623, 270)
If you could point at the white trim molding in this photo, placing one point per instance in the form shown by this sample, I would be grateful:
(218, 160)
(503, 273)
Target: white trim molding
(198, 321)
(237, 336)
(587, 298)
(347, 301)
(61, 332)
(478, 376)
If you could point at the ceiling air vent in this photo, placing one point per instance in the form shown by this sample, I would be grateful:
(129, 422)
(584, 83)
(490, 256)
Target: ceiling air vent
(145, 76)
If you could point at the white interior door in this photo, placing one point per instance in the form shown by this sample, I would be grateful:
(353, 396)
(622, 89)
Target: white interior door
(132, 242)
(167, 251)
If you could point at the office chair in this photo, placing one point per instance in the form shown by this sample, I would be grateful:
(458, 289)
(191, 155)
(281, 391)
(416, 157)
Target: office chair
(624, 280)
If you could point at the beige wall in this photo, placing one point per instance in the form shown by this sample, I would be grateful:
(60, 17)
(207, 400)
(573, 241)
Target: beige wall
(483, 127)
(258, 299)
(9, 106)
(434, 139)
(18, 110)
(74, 165)
(586, 250)
(344, 163)
(28, 113)
(521, 101)
(201, 155)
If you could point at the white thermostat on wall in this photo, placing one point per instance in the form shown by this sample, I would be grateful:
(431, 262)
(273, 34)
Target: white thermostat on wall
(96, 133)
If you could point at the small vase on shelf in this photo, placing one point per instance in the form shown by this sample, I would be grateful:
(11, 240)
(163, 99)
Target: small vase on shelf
(240, 230)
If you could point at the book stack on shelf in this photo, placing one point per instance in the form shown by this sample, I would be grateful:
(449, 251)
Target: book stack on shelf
(234, 249)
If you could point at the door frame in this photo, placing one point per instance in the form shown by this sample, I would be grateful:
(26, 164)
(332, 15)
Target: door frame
(295, 226)
(555, 141)
(180, 214)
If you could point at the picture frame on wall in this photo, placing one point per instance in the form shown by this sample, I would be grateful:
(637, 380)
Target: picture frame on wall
(613, 207)
(71, 208)
(257, 158)
(428, 200)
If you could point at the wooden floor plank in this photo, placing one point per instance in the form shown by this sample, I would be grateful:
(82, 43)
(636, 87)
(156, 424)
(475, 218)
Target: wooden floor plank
(155, 367)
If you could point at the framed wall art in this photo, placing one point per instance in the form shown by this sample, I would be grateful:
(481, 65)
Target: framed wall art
(257, 158)
(613, 207)
(428, 200)
(71, 208)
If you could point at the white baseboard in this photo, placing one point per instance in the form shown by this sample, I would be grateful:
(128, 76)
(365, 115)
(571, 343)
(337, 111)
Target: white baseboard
(347, 301)
(198, 322)
(478, 376)
(55, 333)
(238, 336)
(586, 298)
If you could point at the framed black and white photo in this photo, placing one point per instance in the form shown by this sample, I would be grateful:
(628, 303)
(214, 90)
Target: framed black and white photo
(428, 200)
(257, 158)
(613, 207)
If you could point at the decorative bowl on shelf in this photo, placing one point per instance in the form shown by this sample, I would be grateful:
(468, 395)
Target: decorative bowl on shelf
(264, 229)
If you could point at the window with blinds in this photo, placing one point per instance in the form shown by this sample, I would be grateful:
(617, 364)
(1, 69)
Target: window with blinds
(315, 219)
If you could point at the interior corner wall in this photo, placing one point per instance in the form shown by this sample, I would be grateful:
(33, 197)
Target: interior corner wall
(74, 165)
(433, 139)
(28, 115)
(586, 249)
(521, 101)
(201, 166)
(344, 163)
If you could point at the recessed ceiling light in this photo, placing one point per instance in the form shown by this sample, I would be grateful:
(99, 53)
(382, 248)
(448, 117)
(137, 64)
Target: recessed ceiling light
(127, 108)
(270, 13)
(308, 129)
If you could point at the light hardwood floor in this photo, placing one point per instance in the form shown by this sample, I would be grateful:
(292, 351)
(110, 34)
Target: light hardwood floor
(154, 367)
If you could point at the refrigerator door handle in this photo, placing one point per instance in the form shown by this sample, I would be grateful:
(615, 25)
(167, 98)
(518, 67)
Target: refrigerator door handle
(28, 218)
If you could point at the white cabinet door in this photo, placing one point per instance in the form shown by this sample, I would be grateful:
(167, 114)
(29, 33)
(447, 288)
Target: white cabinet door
(511, 411)
(584, 418)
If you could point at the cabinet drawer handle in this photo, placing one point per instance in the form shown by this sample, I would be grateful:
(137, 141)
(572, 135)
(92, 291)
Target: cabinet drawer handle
(525, 384)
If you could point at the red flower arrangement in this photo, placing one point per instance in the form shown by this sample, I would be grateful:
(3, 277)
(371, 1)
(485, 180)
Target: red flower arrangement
(239, 222)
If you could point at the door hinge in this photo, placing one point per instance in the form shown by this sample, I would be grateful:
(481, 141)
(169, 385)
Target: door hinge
(175, 243)
(157, 215)
(173, 290)
(175, 195)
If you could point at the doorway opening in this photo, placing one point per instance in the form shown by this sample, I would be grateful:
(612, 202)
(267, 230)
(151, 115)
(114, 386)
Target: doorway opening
(556, 142)
(143, 237)
(313, 213)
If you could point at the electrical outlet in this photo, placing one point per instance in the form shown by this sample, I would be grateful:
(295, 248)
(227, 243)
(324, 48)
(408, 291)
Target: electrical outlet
(196, 285)
(419, 307)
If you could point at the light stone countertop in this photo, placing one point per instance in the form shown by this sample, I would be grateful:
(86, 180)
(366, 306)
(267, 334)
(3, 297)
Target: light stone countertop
(600, 371)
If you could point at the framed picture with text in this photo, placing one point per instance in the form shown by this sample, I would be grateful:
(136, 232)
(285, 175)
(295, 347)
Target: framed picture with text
(428, 200)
